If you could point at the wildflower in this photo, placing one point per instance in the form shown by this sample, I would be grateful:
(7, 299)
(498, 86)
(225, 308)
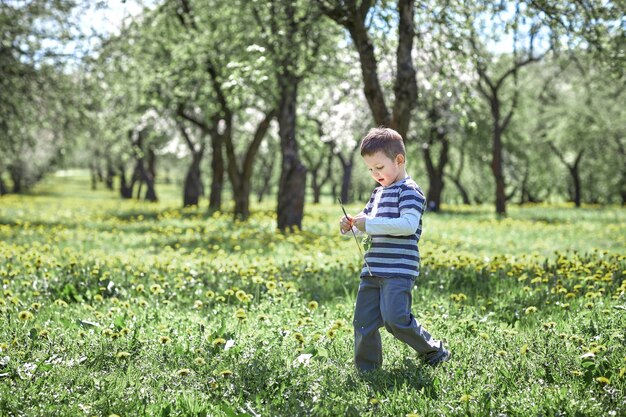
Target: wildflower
(241, 296)
(313, 305)
(43, 334)
(331, 333)
(530, 310)
(156, 289)
(603, 380)
(501, 353)
(183, 372)
(25, 316)
(589, 305)
(34, 306)
(220, 299)
(199, 361)
(271, 285)
(98, 298)
(60, 303)
(374, 401)
(484, 336)
(240, 314)
(465, 398)
(226, 373)
(140, 288)
(412, 415)
(122, 355)
(262, 317)
(218, 342)
(577, 373)
(549, 325)
(228, 293)
(299, 337)
(209, 294)
(198, 305)
(165, 340)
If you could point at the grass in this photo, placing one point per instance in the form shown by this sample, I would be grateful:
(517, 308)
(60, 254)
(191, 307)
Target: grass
(113, 307)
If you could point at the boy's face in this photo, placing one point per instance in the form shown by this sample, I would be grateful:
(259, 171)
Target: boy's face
(384, 170)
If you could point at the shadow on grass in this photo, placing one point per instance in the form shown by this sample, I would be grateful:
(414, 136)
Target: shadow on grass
(412, 374)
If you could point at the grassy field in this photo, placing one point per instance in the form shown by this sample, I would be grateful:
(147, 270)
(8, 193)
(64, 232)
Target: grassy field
(112, 307)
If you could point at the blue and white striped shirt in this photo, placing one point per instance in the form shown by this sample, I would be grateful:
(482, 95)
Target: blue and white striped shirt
(394, 222)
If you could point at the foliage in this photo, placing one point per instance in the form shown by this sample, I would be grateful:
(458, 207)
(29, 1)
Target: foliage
(120, 308)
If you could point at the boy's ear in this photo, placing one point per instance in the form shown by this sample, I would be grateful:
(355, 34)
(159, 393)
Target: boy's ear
(400, 159)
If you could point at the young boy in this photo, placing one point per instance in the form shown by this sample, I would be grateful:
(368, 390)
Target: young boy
(393, 220)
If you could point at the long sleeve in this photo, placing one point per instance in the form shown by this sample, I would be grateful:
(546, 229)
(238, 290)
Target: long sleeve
(404, 225)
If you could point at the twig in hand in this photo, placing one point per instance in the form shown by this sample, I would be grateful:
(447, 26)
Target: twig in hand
(355, 238)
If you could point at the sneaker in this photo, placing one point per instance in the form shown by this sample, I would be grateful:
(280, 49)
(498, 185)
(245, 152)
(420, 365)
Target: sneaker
(443, 356)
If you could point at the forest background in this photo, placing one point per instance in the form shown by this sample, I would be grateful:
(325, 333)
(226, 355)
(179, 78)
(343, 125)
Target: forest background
(499, 102)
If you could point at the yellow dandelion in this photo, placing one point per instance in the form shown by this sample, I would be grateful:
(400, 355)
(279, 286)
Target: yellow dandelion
(44, 333)
(125, 331)
(331, 333)
(299, 337)
(226, 373)
(465, 398)
(262, 317)
(412, 415)
(34, 306)
(228, 293)
(240, 314)
(98, 298)
(199, 361)
(209, 294)
(220, 298)
(25, 316)
(271, 285)
(60, 303)
(603, 380)
(241, 296)
(374, 401)
(501, 353)
(622, 371)
(313, 305)
(577, 373)
(165, 340)
(484, 336)
(198, 305)
(218, 342)
(140, 288)
(589, 305)
(530, 310)
(122, 355)
(156, 289)
(183, 372)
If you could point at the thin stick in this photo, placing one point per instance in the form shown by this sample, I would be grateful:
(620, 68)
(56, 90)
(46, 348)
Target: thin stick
(355, 239)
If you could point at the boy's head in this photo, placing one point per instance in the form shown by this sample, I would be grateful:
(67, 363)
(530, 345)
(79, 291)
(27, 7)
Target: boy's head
(383, 151)
(383, 139)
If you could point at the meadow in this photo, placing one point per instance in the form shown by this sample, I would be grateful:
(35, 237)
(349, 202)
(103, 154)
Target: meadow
(112, 307)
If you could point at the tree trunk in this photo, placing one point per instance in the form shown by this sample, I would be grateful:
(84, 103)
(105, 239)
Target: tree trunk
(3, 187)
(292, 186)
(462, 191)
(193, 181)
(575, 173)
(436, 172)
(110, 174)
(94, 178)
(346, 181)
(217, 169)
(126, 190)
(150, 176)
(498, 174)
(16, 172)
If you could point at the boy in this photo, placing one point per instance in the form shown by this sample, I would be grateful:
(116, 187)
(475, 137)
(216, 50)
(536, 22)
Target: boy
(393, 220)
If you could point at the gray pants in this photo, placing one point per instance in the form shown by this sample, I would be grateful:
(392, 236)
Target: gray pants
(387, 302)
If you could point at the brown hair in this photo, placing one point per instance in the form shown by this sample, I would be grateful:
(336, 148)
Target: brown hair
(383, 139)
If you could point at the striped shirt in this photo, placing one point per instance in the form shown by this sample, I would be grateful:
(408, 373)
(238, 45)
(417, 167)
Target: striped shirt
(394, 222)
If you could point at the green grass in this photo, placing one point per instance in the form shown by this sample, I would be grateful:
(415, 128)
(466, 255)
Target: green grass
(129, 308)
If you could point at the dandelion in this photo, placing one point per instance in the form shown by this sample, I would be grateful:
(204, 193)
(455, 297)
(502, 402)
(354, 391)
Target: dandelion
(484, 336)
(140, 288)
(98, 298)
(530, 310)
(183, 372)
(412, 415)
(199, 361)
(209, 294)
(165, 340)
(122, 355)
(34, 306)
(465, 398)
(218, 342)
(299, 337)
(262, 317)
(240, 314)
(60, 303)
(229, 293)
(603, 380)
(25, 316)
(312, 305)
(577, 373)
(589, 305)
(198, 305)
(44, 333)
(226, 373)
(331, 333)
(271, 285)
(501, 353)
(241, 296)
(374, 401)
(156, 289)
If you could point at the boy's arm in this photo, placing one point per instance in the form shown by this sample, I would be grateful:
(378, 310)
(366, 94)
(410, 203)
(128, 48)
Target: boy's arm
(366, 210)
(411, 208)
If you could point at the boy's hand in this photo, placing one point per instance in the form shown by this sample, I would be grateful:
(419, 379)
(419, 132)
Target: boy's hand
(359, 222)
(345, 223)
